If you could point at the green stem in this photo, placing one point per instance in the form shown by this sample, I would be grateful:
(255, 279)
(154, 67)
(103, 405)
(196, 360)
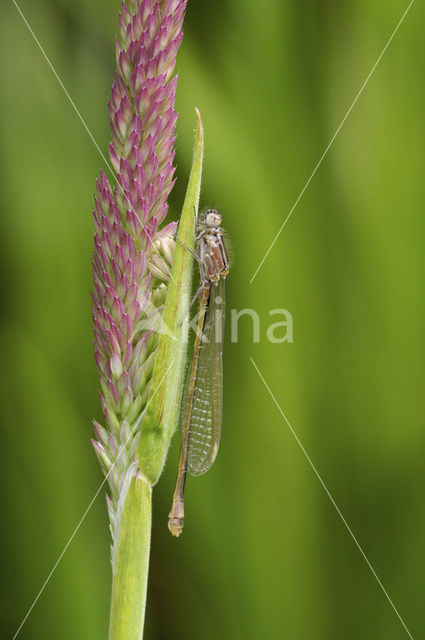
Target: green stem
(131, 563)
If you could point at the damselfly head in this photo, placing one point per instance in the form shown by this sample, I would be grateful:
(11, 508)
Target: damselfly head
(212, 218)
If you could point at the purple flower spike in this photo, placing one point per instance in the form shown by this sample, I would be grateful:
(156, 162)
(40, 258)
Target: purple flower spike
(132, 257)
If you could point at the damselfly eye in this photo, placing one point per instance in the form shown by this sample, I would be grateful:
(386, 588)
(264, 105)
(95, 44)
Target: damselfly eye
(213, 218)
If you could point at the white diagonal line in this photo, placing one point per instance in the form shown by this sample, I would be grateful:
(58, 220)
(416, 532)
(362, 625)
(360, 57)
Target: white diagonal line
(331, 142)
(136, 425)
(331, 499)
(87, 129)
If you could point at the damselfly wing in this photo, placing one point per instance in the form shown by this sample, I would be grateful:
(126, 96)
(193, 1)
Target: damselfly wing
(205, 420)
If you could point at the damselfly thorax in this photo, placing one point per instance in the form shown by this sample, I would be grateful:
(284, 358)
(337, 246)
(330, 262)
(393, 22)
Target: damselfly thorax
(213, 259)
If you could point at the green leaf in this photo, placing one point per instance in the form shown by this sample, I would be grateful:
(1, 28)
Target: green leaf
(163, 410)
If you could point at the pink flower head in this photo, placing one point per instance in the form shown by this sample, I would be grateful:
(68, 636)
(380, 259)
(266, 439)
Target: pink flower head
(132, 256)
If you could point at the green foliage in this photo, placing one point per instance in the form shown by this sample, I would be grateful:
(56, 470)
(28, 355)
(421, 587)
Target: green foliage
(163, 409)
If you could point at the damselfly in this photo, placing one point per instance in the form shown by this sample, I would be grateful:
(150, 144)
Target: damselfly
(202, 405)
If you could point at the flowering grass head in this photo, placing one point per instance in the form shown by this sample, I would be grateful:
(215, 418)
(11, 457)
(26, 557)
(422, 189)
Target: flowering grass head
(142, 281)
(132, 255)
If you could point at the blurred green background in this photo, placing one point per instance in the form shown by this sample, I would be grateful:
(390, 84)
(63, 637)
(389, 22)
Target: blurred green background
(264, 553)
